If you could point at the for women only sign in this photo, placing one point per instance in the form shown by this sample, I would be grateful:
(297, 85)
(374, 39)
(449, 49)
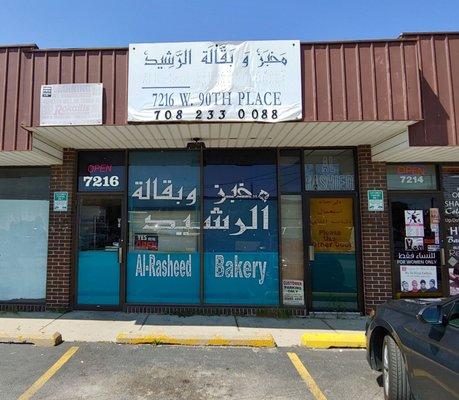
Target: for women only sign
(208, 81)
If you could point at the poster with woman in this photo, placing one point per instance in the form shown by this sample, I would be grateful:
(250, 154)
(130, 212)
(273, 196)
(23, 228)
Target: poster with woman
(418, 278)
(453, 281)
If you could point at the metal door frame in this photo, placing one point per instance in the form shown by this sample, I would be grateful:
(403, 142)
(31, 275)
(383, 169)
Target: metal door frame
(122, 265)
(444, 290)
(307, 196)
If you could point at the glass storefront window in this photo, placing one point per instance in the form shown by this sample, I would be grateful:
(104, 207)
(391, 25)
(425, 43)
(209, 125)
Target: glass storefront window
(450, 178)
(329, 170)
(292, 250)
(24, 183)
(237, 261)
(334, 264)
(290, 171)
(411, 177)
(163, 264)
(24, 216)
(240, 227)
(416, 244)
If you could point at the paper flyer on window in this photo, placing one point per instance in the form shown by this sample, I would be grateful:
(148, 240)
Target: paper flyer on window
(414, 243)
(418, 278)
(453, 275)
(414, 223)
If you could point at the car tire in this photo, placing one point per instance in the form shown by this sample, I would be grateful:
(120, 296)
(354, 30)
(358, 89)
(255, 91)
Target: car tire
(395, 379)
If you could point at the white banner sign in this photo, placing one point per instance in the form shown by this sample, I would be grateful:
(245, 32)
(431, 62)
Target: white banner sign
(71, 104)
(207, 81)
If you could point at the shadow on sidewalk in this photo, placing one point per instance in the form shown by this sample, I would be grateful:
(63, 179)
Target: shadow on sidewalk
(318, 321)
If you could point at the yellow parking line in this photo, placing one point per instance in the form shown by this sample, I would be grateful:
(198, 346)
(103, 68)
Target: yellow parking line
(48, 374)
(310, 382)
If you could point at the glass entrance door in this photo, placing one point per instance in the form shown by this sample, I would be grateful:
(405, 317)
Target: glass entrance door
(416, 244)
(100, 251)
(332, 253)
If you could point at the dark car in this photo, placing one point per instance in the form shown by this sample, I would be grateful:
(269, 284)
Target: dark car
(415, 343)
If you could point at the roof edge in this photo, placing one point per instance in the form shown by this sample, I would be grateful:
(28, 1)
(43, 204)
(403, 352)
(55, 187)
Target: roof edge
(395, 40)
(18, 46)
(325, 42)
(57, 49)
(405, 34)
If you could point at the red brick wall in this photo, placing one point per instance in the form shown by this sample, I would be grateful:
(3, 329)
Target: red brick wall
(60, 235)
(377, 278)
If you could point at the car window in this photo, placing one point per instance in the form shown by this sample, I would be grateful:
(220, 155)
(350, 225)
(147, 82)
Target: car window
(454, 315)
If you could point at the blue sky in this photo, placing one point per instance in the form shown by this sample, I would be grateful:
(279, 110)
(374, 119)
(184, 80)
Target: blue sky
(93, 23)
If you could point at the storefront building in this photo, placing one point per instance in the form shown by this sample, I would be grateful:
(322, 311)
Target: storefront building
(256, 177)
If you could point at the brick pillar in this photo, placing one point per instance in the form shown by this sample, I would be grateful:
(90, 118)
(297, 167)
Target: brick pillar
(377, 277)
(58, 281)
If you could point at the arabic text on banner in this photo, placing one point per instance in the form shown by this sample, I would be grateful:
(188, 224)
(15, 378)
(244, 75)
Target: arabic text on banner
(215, 82)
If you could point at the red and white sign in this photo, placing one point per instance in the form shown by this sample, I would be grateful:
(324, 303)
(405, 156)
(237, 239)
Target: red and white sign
(414, 223)
(146, 242)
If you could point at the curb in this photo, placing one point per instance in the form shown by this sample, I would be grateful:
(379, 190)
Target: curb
(38, 339)
(327, 340)
(215, 340)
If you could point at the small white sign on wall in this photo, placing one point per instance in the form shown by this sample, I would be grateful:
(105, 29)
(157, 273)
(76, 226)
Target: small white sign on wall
(71, 104)
(293, 292)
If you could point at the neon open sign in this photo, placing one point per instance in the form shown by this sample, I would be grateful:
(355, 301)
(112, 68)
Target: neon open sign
(97, 168)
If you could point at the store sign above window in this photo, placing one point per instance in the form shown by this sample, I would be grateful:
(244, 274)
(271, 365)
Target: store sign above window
(71, 104)
(215, 82)
(101, 171)
(411, 177)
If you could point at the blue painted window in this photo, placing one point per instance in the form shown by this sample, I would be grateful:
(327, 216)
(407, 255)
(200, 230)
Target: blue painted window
(163, 262)
(240, 227)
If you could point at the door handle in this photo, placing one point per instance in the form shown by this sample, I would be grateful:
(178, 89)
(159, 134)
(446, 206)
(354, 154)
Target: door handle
(442, 257)
(120, 255)
(311, 253)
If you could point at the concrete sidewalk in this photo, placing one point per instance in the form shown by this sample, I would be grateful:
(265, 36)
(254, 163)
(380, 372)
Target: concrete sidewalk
(104, 326)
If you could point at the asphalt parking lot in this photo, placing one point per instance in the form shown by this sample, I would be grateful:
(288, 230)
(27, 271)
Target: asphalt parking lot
(111, 371)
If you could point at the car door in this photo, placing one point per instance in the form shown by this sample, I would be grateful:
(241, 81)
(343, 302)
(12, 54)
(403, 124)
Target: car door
(451, 341)
(433, 356)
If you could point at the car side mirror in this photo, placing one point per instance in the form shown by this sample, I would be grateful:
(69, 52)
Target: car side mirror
(431, 315)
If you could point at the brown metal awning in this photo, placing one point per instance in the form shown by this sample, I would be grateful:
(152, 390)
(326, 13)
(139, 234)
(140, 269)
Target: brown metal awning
(42, 153)
(398, 149)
